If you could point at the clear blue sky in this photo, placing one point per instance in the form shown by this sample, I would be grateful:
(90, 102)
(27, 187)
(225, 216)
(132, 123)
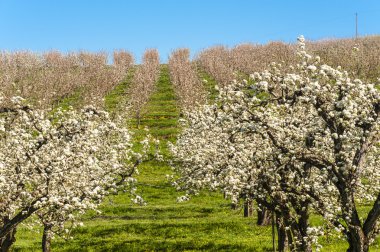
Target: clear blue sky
(94, 25)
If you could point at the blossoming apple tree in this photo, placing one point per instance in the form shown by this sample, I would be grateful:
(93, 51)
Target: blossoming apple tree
(57, 165)
(294, 141)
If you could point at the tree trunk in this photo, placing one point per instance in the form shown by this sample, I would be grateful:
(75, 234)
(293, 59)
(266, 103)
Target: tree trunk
(9, 228)
(273, 232)
(138, 121)
(138, 118)
(46, 238)
(303, 224)
(356, 236)
(263, 216)
(297, 235)
(7, 241)
(358, 242)
(233, 205)
(282, 239)
(302, 243)
(248, 208)
(289, 236)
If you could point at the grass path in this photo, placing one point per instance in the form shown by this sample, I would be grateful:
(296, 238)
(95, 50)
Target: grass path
(204, 223)
(209, 83)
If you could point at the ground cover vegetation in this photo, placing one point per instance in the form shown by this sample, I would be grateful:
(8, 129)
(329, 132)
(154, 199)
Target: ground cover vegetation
(172, 157)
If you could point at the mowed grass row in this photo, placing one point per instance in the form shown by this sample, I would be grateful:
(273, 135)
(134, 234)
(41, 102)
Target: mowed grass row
(204, 223)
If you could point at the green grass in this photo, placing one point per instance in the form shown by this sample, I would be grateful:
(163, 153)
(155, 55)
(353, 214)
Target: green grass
(117, 96)
(71, 100)
(209, 83)
(205, 223)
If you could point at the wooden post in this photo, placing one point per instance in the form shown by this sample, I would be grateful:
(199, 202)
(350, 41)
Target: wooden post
(273, 232)
(356, 25)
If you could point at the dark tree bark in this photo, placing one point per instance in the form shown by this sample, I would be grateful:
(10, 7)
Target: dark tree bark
(7, 241)
(290, 240)
(248, 208)
(8, 230)
(357, 234)
(282, 239)
(46, 238)
(357, 240)
(303, 224)
(273, 232)
(234, 206)
(297, 231)
(263, 216)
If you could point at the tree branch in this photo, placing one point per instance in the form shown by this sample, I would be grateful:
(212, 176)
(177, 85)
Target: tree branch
(372, 217)
(21, 216)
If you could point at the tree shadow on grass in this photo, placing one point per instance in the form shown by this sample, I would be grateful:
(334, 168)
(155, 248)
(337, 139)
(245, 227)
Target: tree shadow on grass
(166, 245)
